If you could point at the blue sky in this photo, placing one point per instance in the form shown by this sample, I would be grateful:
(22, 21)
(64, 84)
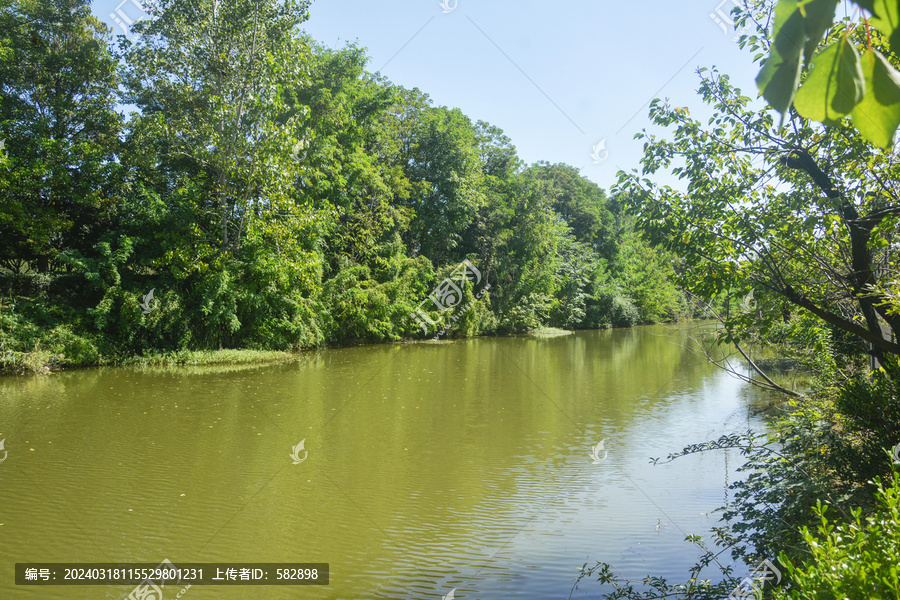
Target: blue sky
(557, 78)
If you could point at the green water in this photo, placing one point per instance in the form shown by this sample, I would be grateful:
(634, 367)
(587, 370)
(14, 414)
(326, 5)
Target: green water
(430, 466)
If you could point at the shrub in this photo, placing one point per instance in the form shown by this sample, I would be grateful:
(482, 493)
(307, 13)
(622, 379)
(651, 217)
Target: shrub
(859, 559)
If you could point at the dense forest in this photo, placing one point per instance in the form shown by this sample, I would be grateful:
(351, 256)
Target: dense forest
(227, 182)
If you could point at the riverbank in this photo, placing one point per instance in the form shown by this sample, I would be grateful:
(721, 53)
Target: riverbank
(43, 363)
(40, 362)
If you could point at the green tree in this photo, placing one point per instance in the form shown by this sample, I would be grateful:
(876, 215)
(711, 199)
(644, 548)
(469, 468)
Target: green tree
(208, 77)
(58, 89)
(795, 228)
(584, 207)
(489, 231)
(351, 167)
(440, 155)
(858, 559)
(645, 274)
(529, 260)
(778, 213)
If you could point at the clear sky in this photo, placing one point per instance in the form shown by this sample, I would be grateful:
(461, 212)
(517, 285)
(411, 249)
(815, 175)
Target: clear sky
(556, 77)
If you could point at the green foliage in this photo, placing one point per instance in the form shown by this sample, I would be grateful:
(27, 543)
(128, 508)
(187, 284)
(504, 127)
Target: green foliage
(760, 214)
(58, 87)
(361, 308)
(222, 130)
(835, 83)
(273, 194)
(184, 358)
(797, 30)
(838, 83)
(613, 308)
(877, 115)
(74, 349)
(649, 276)
(855, 559)
(578, 276)
(868, 412)
(34, 339)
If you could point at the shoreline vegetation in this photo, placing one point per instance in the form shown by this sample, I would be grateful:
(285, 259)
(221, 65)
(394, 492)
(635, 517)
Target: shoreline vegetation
(41, 362)
(276, 205)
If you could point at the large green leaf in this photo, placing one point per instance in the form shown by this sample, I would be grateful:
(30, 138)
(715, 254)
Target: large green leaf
(798, 28)
(780, 74)
(835, 84)
(818, 17)
(789, 33)
(878, 115)
(778, 80)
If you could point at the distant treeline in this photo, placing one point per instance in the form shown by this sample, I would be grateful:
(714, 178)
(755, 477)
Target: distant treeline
(273, 194)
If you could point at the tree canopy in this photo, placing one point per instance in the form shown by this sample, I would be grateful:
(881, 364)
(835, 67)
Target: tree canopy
(272, 193)
(803, 216)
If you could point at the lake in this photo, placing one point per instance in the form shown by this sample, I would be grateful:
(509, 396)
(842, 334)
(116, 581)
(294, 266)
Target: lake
(425, 467)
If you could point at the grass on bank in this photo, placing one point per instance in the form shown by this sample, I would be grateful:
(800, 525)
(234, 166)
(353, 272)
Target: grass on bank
(21, 363)
(43, 362)
(182, 358)
(549, 332)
